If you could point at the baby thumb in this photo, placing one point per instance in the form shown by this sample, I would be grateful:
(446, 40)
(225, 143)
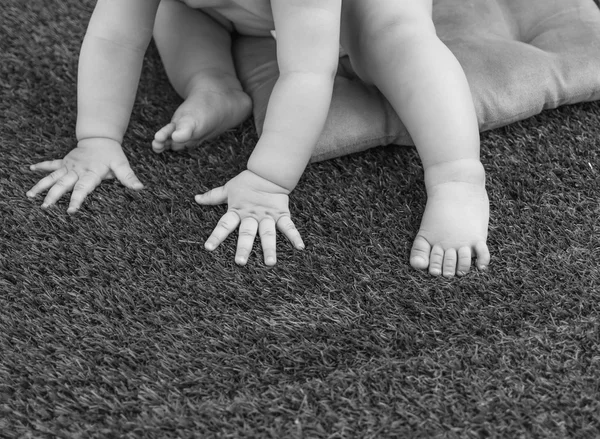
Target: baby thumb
(125, 175)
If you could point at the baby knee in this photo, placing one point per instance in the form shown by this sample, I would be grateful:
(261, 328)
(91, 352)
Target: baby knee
(389, 33)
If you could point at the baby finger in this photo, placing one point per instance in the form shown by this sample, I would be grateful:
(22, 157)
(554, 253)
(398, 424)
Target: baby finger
(268, 240)
(227, 224)
(247, 233)
(86, 184)
(61, 187)
(48, 165)
(47, 182)
(286, 226)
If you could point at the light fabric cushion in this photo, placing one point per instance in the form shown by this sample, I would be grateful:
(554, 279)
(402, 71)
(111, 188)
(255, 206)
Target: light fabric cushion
(520, 57)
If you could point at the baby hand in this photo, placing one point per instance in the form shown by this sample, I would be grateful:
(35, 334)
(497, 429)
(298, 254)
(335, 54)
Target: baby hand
(82, 170)
(255, 204)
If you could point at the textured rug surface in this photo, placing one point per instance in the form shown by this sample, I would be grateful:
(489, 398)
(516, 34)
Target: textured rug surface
(116, 323)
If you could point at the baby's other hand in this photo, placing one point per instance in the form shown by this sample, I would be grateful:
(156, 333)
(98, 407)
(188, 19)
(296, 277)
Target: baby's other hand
(255, 205)
(82, 170)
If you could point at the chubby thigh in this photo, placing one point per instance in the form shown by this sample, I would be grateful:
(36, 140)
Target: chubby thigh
(246, 17)
(367, 26)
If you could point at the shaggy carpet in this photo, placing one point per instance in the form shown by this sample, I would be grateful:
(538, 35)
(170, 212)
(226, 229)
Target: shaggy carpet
(115, 322)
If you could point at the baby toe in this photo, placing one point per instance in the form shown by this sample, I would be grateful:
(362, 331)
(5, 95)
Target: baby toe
(164, 133)
(436, 260)
(464, 261)
(419, 254)
(184, 130)
(158, 146)
(483, 255)
(450, 259)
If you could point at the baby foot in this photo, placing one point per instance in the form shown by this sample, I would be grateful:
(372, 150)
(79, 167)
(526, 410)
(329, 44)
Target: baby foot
(453, 229)
(204, 114)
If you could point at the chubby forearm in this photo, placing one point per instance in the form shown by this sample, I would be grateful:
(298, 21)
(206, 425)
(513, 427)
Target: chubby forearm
(307, 54)
(295, 117)
(107, 82)
(110, 64)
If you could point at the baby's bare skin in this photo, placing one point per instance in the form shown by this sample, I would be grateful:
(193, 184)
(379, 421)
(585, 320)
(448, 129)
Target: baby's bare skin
(391, 43)
(196, 51)
(454, 226)
(204, 114)
(455, 220)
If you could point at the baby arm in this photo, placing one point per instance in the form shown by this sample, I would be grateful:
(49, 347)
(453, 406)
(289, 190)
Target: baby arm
(307, 53)
(109, 69)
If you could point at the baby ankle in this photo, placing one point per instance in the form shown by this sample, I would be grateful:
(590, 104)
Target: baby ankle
(460, 171)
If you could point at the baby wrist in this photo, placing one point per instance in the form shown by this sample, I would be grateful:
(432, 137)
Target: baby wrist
(272, 176)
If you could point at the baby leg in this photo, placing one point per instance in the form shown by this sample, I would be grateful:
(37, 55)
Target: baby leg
(196, 53)
(393, 44)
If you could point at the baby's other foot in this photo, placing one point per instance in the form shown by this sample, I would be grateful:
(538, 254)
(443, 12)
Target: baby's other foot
(206, 113)
(453, 229)
(176, 135)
